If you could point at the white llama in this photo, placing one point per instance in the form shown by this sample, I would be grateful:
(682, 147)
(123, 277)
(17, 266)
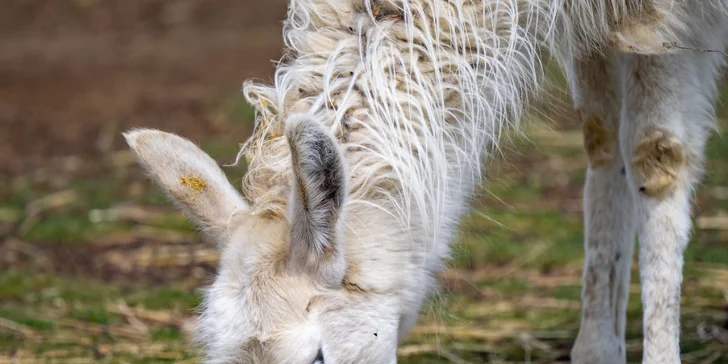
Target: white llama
(371, 142)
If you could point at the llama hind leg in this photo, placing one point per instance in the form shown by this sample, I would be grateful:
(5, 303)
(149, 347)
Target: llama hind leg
(608, 214)
(666, 119)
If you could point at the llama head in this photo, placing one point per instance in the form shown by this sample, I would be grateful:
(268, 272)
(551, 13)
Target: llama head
(280, 295)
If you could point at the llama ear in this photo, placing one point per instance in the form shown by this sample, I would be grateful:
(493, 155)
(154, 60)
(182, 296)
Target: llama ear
(189, 177)
(317, 199)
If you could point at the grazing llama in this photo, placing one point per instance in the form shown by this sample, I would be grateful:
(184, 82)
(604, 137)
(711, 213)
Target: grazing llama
(369, 146)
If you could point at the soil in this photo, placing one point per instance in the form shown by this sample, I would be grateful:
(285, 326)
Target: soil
(72, 72)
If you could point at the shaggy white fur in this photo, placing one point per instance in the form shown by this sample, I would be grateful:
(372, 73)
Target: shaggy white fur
(335, 253)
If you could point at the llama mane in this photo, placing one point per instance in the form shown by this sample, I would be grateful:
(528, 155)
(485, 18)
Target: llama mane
(418, 93)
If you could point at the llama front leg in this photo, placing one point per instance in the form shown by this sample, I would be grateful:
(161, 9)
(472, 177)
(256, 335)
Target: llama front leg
(666, 118)
(608, 215)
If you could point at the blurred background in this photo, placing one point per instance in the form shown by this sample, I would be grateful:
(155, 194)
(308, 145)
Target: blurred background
(96, 266)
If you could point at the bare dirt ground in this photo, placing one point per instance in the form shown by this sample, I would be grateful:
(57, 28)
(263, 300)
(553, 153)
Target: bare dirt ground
(71, 71)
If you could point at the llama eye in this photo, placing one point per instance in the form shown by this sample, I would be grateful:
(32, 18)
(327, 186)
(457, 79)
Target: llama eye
(319, 358)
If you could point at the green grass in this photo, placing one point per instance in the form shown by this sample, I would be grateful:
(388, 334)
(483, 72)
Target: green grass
(20, 316)
(166, 298)
(94, 314)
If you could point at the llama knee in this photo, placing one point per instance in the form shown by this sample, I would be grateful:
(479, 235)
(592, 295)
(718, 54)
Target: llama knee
(599, 140)
(657, 162)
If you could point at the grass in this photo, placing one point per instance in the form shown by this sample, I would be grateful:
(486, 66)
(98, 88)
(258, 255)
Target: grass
(76, 287)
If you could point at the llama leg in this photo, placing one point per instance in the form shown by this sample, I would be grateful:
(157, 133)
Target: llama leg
(666, 119)
(608, 215)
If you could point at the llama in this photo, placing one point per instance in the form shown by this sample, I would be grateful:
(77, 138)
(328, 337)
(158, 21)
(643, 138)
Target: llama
(372, 139)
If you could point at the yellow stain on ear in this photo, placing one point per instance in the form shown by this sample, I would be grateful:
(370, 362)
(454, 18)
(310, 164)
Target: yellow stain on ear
(196, 184)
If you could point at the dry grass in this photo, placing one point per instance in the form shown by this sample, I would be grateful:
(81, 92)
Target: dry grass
(95, 266)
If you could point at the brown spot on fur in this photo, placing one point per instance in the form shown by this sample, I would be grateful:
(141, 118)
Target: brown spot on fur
(352, 287)
(598, 141)
(314, 301)
(657, 160)
(640, 30)
(353, 270)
